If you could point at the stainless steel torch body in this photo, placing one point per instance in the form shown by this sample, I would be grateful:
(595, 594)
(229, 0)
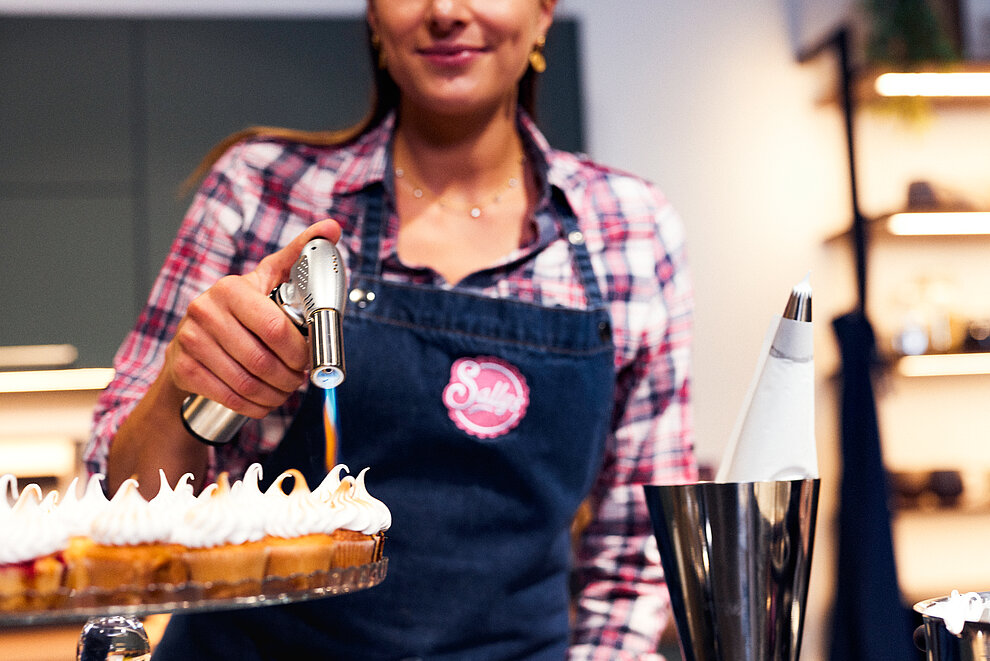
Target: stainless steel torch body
(314, 298)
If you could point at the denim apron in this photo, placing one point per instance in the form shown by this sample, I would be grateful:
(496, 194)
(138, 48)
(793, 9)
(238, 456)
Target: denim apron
(483, 422)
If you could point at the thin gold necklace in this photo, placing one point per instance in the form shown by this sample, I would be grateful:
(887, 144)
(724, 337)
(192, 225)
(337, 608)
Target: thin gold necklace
(474, 210)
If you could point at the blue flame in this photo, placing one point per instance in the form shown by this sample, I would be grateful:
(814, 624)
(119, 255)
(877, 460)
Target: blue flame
(330, 402)
(330, 426)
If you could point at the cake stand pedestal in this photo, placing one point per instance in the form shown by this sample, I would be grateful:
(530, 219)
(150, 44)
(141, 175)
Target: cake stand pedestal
(113, 638)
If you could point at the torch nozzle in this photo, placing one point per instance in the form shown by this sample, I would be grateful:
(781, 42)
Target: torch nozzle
(314, 298)
(326, 341)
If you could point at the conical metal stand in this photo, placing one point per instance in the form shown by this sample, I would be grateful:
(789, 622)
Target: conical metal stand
(737, 557)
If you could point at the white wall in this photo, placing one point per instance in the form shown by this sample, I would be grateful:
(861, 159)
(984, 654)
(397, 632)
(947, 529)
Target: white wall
(709, 102)
(705, 98)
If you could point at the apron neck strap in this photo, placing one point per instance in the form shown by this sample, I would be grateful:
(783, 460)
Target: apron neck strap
(372, 232)
(579, 248)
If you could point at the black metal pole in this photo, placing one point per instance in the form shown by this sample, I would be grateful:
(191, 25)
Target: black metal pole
(840, 40)
(859, 228)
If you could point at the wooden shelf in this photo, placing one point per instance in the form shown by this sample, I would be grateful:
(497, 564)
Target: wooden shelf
(944, 364)
(879, 227)
(866, 95)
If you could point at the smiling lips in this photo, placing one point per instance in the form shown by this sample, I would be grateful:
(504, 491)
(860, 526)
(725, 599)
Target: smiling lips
(449, 54)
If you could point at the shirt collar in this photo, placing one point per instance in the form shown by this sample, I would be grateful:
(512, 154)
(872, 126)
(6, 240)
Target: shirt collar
(371, 159)
(554, 177)
(553, 170)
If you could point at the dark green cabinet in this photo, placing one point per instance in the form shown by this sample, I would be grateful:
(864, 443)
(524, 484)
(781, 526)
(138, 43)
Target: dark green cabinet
(102, 119)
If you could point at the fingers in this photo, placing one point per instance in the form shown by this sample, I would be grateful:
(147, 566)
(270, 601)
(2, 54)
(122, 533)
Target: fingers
(191, 375)
(274, 269)
(235, 346)
(267, 342)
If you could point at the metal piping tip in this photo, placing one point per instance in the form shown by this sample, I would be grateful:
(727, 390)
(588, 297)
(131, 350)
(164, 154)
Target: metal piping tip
(798, 306)
(326, 340)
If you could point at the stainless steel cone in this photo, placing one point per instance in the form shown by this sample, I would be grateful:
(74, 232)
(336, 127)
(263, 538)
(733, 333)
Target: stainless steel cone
(972, 643)
(737, 557)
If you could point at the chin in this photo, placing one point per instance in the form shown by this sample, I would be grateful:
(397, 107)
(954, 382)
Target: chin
(465, 104)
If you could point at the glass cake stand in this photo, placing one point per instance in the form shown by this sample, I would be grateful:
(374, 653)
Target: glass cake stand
(114, 631)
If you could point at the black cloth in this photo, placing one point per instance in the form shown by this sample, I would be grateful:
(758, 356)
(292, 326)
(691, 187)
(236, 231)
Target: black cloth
(869, 620)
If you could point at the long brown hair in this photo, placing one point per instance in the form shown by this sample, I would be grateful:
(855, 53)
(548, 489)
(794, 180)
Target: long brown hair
(384, 99)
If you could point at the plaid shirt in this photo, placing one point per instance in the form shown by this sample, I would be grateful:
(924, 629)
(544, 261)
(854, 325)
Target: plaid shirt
(262, 193)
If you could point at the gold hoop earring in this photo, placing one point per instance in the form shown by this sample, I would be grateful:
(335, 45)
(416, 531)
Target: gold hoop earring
(376, 43)
(536, 58)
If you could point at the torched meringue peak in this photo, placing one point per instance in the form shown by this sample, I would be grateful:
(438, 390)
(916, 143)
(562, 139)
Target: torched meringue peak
(8, 491)
(223, 483)
(171, 504)
(330, 482)
(299, 485)
(31, 497)
(218, 490)
(247, 489)
(50, 503)
(78, 512)
(361, 495)
(252, 478)
(30, 529)
(182, 492)
(94, 489)
(218, 517)
(129, 520)
(293, 514)
(348, 505)
(351, 507)
(183, 489)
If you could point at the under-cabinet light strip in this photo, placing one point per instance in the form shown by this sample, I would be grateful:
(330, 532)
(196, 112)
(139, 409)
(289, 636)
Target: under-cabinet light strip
(86, 378)
(37, 356)
(933, 84)
(949, 364)
(939, 223)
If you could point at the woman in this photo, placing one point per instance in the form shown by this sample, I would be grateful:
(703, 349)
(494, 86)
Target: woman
(475, 252)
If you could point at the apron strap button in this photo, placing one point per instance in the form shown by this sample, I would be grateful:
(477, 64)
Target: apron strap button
(361, 297)
(576, 237)
(604, 331)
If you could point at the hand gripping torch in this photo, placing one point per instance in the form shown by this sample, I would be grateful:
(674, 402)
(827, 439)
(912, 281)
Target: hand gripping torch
(313, 298)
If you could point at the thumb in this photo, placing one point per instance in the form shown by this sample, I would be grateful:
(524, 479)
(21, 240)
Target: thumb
(274, 269)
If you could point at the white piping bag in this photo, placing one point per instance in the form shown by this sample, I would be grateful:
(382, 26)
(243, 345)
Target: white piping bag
(774, 436)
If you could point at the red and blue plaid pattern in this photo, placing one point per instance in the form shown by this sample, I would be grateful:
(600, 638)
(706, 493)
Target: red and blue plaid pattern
(264, 192)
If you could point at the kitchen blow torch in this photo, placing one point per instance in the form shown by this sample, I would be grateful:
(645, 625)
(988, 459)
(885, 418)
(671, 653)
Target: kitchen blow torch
(313, 298)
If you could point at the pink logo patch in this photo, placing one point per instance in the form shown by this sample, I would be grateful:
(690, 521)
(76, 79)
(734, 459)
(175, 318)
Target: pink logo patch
(486, 397)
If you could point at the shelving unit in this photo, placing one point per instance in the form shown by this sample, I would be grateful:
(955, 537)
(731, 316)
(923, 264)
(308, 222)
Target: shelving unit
(935, 225)
(931, 409)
